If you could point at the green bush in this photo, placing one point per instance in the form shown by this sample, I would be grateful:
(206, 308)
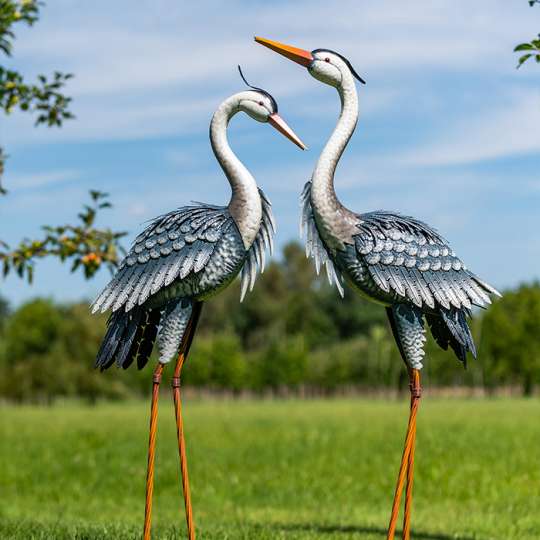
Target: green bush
(283, 364)
(511, 338)
(292, 334)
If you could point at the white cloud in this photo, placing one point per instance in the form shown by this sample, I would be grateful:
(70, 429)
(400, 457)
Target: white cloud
(138, 210)
(161, 68)
(42, 179)
(442, 90)
(512, 129)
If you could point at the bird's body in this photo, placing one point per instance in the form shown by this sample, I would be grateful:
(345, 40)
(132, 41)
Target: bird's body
(389, 258)
(183, 257)
(397, 260)
(179, 261)
(392, 259)
(187, 256)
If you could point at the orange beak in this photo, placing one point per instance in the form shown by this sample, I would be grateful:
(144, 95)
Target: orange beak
(300, 56)
(276, 121)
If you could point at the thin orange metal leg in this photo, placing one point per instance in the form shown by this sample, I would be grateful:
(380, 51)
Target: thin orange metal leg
(416, 392)
(151, 452)
(182, 447)
(184, 350)
(409, 442)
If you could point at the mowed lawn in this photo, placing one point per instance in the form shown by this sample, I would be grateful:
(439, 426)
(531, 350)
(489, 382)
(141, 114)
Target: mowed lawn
(272, 469)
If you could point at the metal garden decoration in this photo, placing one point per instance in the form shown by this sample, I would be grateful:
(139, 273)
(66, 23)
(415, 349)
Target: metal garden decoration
(392, 259)
(190, 254)
(181, 260)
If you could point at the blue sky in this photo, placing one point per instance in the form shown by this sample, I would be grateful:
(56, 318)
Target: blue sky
(449, 130)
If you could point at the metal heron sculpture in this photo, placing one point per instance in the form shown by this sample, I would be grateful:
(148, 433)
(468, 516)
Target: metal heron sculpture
(392, 259)
(181, 260)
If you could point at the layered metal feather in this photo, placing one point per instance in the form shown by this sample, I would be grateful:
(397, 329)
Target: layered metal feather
(255, 258)
(315, 247)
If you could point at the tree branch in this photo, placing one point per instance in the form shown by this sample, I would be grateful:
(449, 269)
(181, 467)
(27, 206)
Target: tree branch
(84, 245)
(531, 48)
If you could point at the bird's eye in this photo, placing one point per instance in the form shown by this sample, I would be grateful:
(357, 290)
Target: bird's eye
(261, 103)
(327, 59)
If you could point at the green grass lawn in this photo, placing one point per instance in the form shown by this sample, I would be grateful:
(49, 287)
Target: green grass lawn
(271, 470)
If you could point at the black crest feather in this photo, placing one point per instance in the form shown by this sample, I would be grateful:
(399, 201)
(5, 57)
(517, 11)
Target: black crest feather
(349, 65)
(267, 94)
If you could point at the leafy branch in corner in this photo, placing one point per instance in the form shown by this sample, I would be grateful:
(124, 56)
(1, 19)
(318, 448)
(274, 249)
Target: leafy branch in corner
(11, 12)
(531, 48)
(44, 97)
(84, 245)
(87, 247)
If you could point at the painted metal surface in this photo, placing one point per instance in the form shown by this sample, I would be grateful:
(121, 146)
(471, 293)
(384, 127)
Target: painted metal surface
(190, 254)
(392, 259)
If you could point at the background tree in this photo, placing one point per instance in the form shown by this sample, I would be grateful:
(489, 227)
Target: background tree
(266, 345)
(511, 340)
(4, 311)
(86, 246)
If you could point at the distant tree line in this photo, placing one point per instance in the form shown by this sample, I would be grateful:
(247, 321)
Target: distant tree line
(292, 335)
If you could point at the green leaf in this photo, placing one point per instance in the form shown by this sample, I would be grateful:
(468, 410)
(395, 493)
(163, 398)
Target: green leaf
(524, 47)
(523, 59)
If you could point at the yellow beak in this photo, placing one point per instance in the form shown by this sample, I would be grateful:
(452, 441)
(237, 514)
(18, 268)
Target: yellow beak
(276, 121)
(300, 56)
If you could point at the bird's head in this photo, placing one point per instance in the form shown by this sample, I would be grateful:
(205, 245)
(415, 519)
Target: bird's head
(325, 65)
(261, 106)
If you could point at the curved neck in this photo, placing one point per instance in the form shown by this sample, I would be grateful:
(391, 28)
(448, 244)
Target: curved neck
(245, 205)
(333, 218)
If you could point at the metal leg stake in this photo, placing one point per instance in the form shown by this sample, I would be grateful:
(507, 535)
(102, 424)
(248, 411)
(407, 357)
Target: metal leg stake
(407, 462)
(151, 452)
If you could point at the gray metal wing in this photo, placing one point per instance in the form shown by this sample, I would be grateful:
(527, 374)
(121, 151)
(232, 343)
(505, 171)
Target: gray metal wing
(255, 258)
(174, 246)
(407, 257)
(314, 244)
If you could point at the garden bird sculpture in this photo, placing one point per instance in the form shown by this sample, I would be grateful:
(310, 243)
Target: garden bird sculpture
(392, 259)
(181, 260)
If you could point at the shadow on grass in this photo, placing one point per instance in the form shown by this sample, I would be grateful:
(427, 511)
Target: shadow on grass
(25, 530)
(332, 529)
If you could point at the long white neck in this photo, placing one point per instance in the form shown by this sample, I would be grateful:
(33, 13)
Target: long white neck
(336, 224)
(245, 205)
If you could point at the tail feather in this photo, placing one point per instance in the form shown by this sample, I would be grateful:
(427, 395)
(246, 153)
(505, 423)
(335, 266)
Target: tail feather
(132, 354)
(131, 335)
(395, 333)
(148, 337)
(457, 324)
(127, 335)
(115, 328)
(450, 328)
